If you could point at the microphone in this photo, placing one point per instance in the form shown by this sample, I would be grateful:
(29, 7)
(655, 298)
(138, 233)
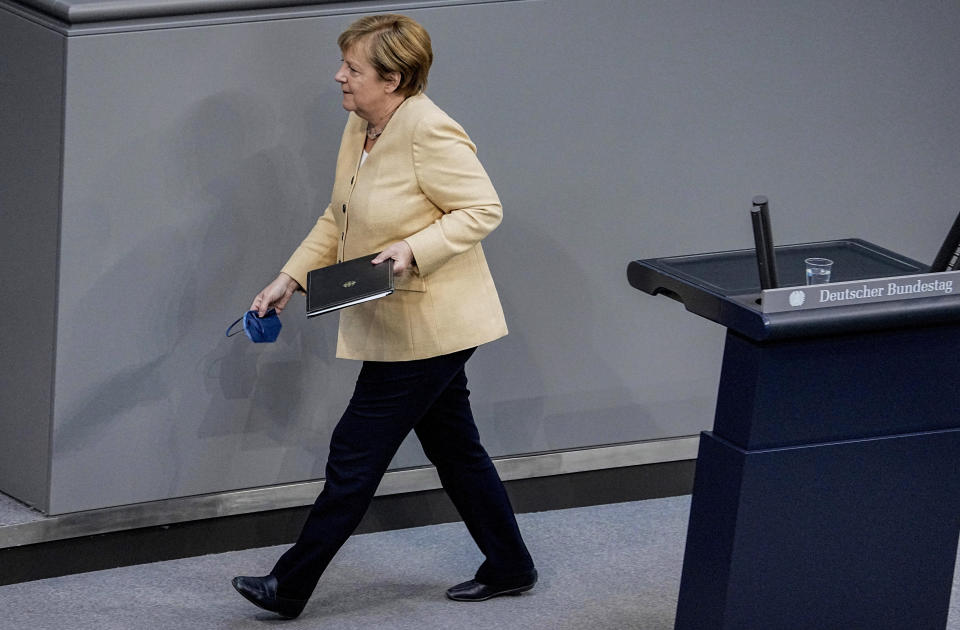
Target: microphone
(763, 241)
(948, 258)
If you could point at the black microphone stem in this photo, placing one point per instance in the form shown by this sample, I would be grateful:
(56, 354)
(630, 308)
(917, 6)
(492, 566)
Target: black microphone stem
(763, 240)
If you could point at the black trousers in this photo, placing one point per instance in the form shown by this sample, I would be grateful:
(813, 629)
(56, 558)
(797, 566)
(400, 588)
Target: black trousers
(431, 397)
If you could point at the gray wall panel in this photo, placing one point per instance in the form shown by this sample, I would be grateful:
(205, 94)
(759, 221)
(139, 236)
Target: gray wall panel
(31, 106)
(196, 158)
(186, 193)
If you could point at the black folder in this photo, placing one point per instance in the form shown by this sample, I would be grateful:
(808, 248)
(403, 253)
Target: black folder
(348, 283)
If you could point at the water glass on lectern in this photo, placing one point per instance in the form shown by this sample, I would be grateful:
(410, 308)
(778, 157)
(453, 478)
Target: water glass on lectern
(818, 270)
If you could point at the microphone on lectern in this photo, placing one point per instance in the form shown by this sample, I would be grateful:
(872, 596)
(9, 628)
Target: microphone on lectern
(948, 258)
(763, 240)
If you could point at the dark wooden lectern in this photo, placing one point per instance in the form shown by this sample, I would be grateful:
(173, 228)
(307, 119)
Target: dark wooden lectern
(827, 495)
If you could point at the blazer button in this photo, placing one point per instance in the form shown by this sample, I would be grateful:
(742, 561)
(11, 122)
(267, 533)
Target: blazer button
(351, 180)
(344, 207)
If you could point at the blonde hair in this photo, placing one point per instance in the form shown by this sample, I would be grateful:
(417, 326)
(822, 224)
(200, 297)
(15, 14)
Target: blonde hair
(395, 43)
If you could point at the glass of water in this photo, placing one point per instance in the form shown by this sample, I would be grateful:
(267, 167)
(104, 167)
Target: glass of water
(818, 270)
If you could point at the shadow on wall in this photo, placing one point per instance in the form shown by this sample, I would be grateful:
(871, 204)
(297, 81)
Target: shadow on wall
(549, 385)
(173, 278)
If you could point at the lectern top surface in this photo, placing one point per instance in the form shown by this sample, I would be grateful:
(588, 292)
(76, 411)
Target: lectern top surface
(735, 272)
(724, 287)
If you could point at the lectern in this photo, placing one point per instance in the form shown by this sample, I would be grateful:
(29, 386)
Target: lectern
(827, 495)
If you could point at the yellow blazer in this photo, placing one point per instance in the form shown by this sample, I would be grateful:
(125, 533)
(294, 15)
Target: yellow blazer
(422, 183)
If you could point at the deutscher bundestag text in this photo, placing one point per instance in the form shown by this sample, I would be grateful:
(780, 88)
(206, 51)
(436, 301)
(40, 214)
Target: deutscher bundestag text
(893, 288)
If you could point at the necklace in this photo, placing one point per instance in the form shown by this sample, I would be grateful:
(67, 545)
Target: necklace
(374, 132)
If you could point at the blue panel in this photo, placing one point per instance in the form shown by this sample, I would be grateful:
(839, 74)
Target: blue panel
(834, 388)
(859, 534)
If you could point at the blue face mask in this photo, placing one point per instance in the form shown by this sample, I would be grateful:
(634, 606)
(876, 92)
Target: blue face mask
(259, 329)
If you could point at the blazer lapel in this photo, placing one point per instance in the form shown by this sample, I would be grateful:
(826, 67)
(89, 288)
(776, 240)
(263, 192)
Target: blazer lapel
(353, 141)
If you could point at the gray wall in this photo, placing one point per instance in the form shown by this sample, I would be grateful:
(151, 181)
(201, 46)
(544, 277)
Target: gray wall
(31, 108)
(195, 158)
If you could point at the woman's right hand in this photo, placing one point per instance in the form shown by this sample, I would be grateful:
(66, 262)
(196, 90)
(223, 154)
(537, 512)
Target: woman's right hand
(275, 295)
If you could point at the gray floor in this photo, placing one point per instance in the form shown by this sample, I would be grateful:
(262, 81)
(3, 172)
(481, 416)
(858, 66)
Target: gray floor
(607, 567)
(12, 512)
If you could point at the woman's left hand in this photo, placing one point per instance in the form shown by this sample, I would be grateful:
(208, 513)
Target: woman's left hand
(401, 254)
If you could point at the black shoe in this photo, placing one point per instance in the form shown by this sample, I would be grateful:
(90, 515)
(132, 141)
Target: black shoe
(474, 591)
(262, 591)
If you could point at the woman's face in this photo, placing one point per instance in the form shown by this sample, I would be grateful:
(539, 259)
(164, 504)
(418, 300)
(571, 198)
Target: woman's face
(364, 92)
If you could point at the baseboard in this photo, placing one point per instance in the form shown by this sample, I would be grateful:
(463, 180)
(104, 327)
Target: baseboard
(69, 555)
